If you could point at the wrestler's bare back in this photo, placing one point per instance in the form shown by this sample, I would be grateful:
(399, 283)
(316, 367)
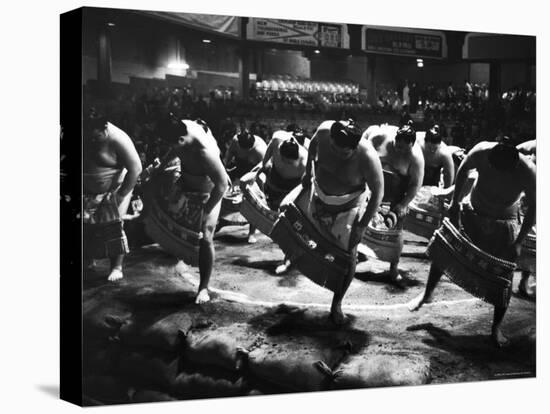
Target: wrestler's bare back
(336, 175)
(285, 169)
(197, 151)
(498, 191)
(253, 155)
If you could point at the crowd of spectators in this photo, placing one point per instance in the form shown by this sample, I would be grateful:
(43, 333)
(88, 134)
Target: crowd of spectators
(465, 113)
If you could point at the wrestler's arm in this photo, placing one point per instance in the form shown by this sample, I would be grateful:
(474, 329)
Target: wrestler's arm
(528, 147)
(126, 152)
(531, 201)
(448, 169)
(269, 153)
(416, 174)
(230, 153)
(260, 149)
(468, 163)
(311, 154)
(216, 171)
(375, 180)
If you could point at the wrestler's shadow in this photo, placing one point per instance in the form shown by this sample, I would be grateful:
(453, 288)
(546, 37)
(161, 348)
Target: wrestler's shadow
(231, 239)
(288, 278)
(314, 324)
(384, 277)
(477, 346)
(152, 254)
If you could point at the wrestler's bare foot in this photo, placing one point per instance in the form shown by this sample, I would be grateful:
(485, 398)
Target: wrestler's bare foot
(202, 297)
(417, 302)
(523, 288)
(498, 339)
(396, 279)
(283, 268)
(251, 239)
(337, 316)
(116, 274)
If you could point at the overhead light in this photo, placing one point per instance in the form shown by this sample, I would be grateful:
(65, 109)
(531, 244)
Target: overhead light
(419, 60)
(178, 65)
(111, 24)
(420, 64)
(316, 51)
(206, 41)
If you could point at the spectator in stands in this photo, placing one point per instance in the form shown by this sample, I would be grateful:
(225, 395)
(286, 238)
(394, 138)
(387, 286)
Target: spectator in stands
(406, 96)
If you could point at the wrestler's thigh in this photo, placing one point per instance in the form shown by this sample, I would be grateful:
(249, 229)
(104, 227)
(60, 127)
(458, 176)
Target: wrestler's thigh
(210, 221)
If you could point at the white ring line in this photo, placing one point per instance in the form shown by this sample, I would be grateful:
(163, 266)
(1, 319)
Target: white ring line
(244, 299)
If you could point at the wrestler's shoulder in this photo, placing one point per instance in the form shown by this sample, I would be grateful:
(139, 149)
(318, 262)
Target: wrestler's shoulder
(527, 165)
(482, 146)
(445, 152)
(116, 134)
(417, 151)
(325, 125)
(260, 141)
(366, 149)
(280, 135)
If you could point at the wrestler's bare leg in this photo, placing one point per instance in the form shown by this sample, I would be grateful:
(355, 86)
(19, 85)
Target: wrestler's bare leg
(336, 314)
(394, 272)
(523, 286)
(116, 268)
(426, 297)
(251, 232)
(497, 337)
(207, 255)
(284, 267)
(395, 277)
(206, 263)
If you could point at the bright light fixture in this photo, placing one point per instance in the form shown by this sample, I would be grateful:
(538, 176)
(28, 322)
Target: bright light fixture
(317, 51)
(420, 64)
(206, 41)
(178, 65)
(111, 24)
(419, 60)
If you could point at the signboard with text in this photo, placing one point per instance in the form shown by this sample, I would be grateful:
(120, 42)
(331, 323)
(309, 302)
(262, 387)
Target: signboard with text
(298, 33)
(405, 43)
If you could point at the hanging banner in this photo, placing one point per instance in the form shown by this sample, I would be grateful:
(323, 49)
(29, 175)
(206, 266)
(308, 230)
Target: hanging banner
(404, 42)
(298, 32)
(227, 25)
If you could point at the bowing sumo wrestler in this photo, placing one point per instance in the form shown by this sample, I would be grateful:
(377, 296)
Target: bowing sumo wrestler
(437, 159)
(284, 164)
(490, 219)
(340, 192)
(111, 167)
(245, 151)
(529, 149)
(202, 172)
(403, 166)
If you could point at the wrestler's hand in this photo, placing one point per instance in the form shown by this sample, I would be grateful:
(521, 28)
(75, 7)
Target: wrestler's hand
(400, 210)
